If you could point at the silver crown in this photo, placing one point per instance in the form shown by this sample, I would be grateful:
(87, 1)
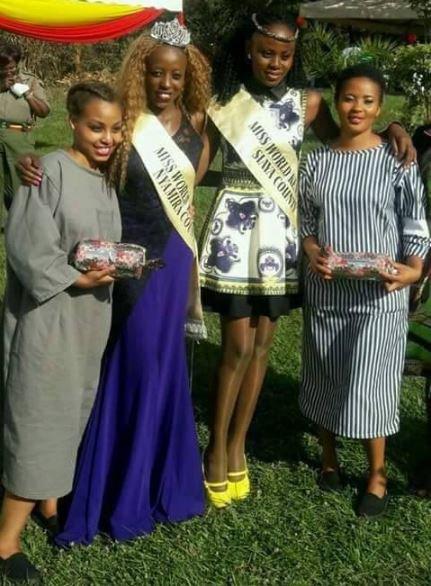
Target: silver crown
(267, 33)
(172, 33)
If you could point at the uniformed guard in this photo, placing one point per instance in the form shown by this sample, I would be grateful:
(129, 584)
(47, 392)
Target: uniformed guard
(22, 99)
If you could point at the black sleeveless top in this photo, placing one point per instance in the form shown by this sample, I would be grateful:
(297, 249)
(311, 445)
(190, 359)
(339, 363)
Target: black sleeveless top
(144, 221)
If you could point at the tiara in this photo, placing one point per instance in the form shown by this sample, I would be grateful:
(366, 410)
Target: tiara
(171, 33)
(267, 33)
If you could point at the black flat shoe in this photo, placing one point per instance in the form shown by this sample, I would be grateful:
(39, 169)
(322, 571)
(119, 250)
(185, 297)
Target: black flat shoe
(48, 524)
(18, 568)
(372, 506)
(330, 481)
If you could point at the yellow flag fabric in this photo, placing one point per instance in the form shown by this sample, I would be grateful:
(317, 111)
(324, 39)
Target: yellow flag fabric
(63, 12)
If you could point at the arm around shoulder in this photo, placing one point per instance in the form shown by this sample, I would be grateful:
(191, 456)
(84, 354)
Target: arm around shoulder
(318, 115)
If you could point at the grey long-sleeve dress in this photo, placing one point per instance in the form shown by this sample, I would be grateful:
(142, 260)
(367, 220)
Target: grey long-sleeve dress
(54, 334)
(354, 331)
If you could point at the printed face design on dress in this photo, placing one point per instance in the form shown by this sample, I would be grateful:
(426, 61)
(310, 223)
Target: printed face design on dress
(271, 60)
(97, 131)
(8, 74)
(358, 105)
(286, 113)
(224, 253)
(242, 216)
(165, 77)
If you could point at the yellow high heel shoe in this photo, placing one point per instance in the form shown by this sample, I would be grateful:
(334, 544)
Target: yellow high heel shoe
(219, 499)
(239, 489)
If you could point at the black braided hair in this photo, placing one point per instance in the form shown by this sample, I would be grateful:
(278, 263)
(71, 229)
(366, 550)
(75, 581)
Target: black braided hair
(230, 66)
(360, 70)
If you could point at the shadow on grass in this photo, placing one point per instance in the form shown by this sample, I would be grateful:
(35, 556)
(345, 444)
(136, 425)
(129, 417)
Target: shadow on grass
(278, 427)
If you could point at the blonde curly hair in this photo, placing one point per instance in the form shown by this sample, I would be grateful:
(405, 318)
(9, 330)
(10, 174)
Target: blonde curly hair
(132, 91)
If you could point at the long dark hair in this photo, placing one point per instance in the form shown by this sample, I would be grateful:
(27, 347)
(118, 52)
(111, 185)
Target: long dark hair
(230, 67)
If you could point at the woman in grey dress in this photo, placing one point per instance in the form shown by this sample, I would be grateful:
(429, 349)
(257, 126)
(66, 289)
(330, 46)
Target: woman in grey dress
(356, 197)
(56, 320)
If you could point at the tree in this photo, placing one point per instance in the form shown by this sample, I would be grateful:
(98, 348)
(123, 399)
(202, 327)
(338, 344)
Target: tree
(423, 9)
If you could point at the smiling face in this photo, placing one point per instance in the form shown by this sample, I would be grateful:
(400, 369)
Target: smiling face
(8, 74)
(165, 77)
(97, 131)
(271, 60)
(358, 105)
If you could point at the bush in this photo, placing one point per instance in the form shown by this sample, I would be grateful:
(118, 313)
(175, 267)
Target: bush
(326, 52)
(322, 53)
(413, 74)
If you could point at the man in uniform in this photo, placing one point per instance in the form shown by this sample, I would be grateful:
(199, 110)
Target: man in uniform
(22, 99)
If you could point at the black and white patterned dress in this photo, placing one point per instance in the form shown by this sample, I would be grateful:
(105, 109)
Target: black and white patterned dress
(249, 249)
(354, 331)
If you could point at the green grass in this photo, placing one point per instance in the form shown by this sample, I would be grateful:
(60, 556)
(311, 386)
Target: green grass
(288, 532)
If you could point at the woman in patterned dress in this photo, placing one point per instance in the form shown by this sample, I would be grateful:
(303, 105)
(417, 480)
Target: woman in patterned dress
(249, 246)
(356, 197)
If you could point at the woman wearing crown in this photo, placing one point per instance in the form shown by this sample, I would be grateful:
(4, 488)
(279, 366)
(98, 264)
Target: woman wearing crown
(139, 461)
(249, 252)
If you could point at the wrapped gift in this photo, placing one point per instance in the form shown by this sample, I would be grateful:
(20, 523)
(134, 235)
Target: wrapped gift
(359, 265)
(128, 259)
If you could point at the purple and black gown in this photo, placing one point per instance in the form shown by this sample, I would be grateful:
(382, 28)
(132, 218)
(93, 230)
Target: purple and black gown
(139, 461)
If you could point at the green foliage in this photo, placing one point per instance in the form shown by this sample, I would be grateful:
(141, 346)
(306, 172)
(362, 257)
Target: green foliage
(322, 49)
(413, 73)
(377, 51)
(324, 52)
(325, 55)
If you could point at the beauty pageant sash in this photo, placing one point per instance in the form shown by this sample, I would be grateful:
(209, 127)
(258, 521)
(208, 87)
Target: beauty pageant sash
(173, 176)
(264, 148)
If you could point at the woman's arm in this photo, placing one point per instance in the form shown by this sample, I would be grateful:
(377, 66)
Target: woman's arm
(319, 117)
(309, 221)
(410, 209)
(199, 122)
(29, 169)
(37, 106)
(33, 246)
(204, 161)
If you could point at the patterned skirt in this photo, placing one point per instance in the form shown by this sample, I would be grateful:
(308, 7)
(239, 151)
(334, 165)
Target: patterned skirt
(249, 255)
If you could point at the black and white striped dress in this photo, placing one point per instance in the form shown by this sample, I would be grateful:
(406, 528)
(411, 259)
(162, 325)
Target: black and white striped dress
(354, 331)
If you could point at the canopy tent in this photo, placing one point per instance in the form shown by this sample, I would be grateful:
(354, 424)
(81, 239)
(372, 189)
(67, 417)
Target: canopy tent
(80, 21)
(392, 16)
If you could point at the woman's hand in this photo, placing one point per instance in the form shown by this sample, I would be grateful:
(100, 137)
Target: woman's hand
(401, 143)
(317, 258)
(94, 279)
(406, 275)
(29, 170)
(192, 212)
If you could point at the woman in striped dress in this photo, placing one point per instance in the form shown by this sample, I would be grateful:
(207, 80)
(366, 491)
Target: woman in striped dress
(249, 259)
(356, 197)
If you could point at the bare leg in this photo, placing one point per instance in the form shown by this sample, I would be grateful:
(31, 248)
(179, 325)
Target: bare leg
(249, 392)
(329, 454)
(14, 515)
(377, 479)
(48, 507)
(237, 347)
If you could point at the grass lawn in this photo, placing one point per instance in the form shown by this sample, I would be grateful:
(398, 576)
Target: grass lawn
(288, 532)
